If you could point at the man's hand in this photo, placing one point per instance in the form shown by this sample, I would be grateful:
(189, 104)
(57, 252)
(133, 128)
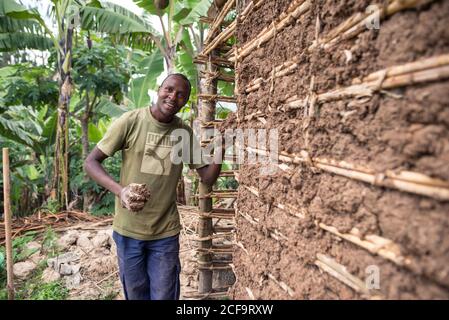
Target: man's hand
(134, 196)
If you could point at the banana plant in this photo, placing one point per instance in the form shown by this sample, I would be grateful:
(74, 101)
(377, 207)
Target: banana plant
(176, 46)
(94, 15)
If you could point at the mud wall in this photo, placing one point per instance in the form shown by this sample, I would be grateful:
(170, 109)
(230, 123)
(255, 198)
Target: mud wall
(290, 224)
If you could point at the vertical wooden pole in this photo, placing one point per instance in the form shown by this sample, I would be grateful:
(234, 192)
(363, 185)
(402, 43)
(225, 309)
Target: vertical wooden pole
(205, 224)
(7, 217)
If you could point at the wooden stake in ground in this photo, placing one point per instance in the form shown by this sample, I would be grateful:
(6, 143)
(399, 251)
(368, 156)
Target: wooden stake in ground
(205, 229)
(7, 217)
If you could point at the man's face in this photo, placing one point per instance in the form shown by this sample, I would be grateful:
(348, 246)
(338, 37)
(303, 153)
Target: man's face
(172, 95)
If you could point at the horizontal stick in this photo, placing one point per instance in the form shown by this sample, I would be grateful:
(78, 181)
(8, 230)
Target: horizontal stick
(219, 20)
(208, 20)
(339, 272)
(214, 60)
(358, 19)
(219, 76)
(223, 229)
(273, 233)
(214, 236)
(225, 35)
(292, 210)
(195, 295)
(373, 243)
(214, 250)
(393, 7)
(248, 9)
(411, 182)
(429, 63)
(214, 268)
(416, 74)
(228, 173)
(218, 216)
(223, 211)
(211, 124)
(216, 98)
(296, 9)
(282, 284)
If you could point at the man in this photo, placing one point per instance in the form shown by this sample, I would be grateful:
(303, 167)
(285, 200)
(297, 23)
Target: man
(147, 232)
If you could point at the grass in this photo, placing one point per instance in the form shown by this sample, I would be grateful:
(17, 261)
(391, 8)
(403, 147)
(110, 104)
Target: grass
(48, 291)
(33, 288)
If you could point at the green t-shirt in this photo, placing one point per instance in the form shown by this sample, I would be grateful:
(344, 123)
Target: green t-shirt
(146, 146)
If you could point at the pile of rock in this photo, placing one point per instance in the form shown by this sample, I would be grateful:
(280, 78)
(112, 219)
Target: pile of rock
(86, 259)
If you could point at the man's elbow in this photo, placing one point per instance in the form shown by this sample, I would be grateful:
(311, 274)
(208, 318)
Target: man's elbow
(207, 181)
(87, 166)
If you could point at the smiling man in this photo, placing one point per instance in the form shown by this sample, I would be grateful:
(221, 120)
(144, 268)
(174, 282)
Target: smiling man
(147, 231)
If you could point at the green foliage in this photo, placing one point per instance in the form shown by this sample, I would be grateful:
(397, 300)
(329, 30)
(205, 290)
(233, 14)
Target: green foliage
(49, 244)
(150, 68)
(50, 206)
(20, 252)
(102, 70)
(110, 109)
(48, 291)
(30, 86)
(198, 8)
(222, 112)
(227, 183)
(21, 40)
(113, 73)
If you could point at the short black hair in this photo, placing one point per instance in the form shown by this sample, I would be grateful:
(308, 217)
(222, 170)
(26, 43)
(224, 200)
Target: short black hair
(189, 85)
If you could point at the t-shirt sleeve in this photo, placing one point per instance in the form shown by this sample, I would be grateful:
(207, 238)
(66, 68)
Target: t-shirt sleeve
(115, 137)
(196, 158)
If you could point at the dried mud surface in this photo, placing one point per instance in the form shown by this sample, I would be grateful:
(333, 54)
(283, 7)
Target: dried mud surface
(402, 129)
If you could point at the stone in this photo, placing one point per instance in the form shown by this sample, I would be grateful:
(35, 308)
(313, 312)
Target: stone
(23, 269)
(68, 239)
(73, 281)
(50, 275)
(33, 246)
(36, 257)
(84, 242)
(65, 258)
(100, 240)
(65, 269)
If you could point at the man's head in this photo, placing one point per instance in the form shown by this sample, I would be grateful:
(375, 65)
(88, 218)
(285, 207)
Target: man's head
(173, 94)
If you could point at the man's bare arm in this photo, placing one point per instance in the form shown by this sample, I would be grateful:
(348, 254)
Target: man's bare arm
(209, 173)
(95, 170)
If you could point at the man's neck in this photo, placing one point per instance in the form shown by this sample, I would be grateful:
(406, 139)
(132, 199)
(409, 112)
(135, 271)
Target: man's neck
(158, 115)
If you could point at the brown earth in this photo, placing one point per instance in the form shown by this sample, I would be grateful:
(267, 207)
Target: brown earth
(404, 129)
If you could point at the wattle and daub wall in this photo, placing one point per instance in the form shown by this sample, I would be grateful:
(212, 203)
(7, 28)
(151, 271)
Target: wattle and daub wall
(359, 207)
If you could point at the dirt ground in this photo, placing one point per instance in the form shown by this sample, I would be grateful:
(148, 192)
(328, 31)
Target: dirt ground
(86, 260)
(403, 129)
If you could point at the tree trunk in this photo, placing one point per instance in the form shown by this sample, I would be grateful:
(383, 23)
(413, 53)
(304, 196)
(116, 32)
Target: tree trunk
(61, 161)
(85, 152)
(206, 113)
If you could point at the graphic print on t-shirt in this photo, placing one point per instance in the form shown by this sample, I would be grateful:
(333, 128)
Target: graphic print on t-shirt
(156, 156)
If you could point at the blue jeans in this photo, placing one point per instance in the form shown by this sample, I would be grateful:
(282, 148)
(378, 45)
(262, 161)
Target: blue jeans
(149, 270)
